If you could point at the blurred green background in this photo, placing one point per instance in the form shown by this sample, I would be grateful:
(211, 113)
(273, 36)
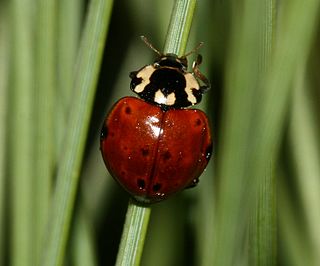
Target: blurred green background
(258, 201)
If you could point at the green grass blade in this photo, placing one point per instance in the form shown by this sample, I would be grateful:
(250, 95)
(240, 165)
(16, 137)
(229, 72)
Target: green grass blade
(238, 184)
(304, 142)
(4, 63)
(133, 235)
(262, 237)
(296, 248)
(70, 15)
(179, 27)
(297, 29)
(254, 115)
(69, 18)
(263, 227)
(44, 111)
(83, 245)
(21, 138)
(90, 56)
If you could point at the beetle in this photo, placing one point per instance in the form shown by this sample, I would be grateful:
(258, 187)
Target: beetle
(154, 146)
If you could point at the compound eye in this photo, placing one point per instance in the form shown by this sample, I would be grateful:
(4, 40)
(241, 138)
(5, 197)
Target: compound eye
(184, 62)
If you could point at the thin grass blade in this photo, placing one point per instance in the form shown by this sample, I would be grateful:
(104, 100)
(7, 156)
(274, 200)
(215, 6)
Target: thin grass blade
(68, 28)
(45, 77)
(88, 65)
(21, 137)
(254, 118)
(306, 157)
(4, 72)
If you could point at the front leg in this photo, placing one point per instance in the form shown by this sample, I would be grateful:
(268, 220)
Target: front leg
(199, 75)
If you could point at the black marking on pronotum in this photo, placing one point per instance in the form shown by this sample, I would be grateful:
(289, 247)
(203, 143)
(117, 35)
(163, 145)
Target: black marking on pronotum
(167, 82)
(134, 80)
(171, 60)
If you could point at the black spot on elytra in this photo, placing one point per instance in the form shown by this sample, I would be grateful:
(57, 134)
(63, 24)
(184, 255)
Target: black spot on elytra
(145, 152)
(127, 110)
(198, 122)
(123, 173)
(156, 187)
(141, 183)
(166, 155)
(104, 132)
(208, 152)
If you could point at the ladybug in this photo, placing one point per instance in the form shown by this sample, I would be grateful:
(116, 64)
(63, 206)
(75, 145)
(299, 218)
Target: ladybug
(152, 145)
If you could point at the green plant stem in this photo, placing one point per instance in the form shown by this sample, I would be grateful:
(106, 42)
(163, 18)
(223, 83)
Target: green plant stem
(179, 27)
(83, 247)
(88, 65)
(246, 65)
(253, 125)
(297, 29)
(299, 250)
(133, 236)
(21, 138)
(69, 16)
(306, 156)
(263, 229)
(44, 95)
(137, 218)
(262, 241)
(4, 71)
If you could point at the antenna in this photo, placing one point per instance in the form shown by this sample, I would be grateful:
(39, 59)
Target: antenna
(194, 49)
(146, 41)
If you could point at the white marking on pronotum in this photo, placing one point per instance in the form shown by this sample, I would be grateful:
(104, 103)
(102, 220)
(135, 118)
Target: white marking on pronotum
(145, 75)
(191, 84)
(161, 99)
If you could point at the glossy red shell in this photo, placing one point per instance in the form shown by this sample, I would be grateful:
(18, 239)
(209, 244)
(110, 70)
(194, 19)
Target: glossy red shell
(154, 153)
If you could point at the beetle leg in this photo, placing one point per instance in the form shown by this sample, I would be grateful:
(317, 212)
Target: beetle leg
(199, 75)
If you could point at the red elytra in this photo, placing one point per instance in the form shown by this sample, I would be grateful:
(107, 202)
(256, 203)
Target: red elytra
(154, 153)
